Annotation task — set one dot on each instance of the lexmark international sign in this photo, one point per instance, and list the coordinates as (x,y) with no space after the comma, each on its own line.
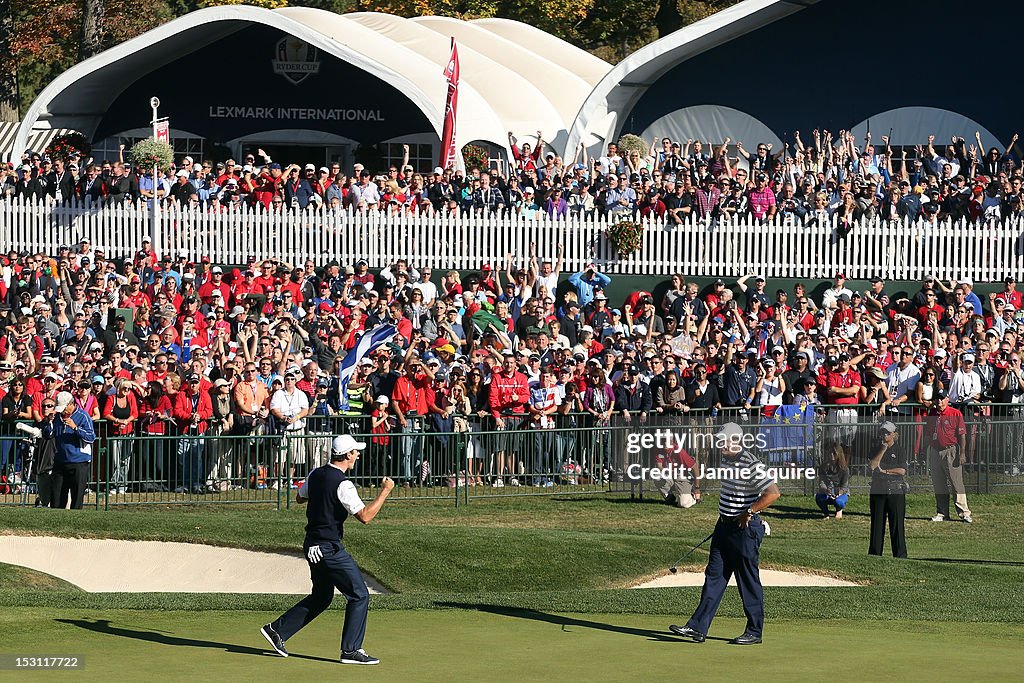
(295,113)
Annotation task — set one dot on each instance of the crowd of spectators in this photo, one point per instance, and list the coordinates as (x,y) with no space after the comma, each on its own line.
(824,179)
(166,344)
(161,344)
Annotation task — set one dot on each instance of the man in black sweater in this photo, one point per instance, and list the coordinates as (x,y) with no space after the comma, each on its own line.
(331,498)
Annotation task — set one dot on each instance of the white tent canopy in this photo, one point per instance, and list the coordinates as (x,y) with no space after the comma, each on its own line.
(911,125)
(711,123)
(620,89)
(501,86)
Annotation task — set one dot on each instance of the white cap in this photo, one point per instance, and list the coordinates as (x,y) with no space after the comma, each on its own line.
(187,160)
(887,427)
(247,168)
(344,444)
(310,167)
(181,174)
(438,170)
(383,399)
(730,430)
(967,281)
(64,399)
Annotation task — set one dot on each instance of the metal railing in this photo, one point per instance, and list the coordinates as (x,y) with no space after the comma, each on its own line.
(577,456)
(783,247)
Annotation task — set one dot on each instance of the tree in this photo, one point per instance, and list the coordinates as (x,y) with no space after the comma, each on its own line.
(47,35)
(668,18)
(266,4)
(91,41)
(9,68)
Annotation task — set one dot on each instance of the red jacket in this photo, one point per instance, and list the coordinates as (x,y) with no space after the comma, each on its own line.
(508,394)
(133,409)
(185,404)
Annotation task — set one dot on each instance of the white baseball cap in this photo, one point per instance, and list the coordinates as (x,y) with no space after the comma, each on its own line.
(64,399)
(341,444)
(730,430)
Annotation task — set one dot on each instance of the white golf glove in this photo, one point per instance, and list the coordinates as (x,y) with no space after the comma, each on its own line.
(314,554)
(767,529)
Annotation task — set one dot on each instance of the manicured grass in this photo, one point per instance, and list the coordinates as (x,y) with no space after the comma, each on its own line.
(14,579)
(562,554)
(498,644)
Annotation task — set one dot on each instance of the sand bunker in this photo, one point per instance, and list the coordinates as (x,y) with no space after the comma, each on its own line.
(108,565)
(769,577)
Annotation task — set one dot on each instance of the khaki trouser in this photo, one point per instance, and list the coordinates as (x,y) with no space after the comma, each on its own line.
(681,491)
(943,464)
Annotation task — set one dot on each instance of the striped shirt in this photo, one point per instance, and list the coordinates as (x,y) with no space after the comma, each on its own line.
(745,483)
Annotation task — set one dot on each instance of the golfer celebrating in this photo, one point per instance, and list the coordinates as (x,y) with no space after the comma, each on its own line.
(332,498)
(746,490)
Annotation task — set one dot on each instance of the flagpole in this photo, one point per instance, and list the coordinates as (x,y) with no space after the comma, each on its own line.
(154,229)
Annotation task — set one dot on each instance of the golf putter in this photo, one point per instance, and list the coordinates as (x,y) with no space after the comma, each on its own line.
(675,567)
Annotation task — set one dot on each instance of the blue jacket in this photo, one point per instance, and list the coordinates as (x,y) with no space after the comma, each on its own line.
(73,445)
(584,286)
(300,191)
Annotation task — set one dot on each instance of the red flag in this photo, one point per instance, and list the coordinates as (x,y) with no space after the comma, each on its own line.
(163,131)
(451,73)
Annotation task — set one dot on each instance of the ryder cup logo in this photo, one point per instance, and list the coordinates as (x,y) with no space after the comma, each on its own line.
(296,60)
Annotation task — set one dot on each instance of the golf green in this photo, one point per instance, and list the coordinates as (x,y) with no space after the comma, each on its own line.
(503,644)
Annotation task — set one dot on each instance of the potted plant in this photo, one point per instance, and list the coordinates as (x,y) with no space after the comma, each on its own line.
(63,146)
(475,156)
(150,152)
(626,237)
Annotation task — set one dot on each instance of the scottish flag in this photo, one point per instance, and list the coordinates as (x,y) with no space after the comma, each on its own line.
(369,342)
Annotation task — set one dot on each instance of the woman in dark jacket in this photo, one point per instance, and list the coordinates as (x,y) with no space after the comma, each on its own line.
(670,397)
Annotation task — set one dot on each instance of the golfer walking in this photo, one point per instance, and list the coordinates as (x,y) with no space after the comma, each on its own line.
(331,498)
(747,489)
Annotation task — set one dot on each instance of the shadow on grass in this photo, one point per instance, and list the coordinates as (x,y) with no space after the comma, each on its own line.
(164,638)
(565,621)
(953,560)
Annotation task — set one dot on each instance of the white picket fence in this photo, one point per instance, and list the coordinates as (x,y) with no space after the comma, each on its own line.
(985,252)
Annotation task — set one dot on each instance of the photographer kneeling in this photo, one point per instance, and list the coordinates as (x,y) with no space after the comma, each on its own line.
(680,481)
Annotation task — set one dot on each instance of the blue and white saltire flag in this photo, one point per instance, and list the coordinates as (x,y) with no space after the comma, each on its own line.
(369,342)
